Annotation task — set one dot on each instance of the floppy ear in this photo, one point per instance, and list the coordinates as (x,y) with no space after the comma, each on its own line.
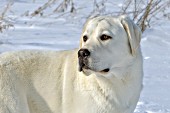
(133,33)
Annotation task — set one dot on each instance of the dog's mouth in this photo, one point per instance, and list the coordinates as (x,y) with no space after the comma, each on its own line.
(83,66)
(101,71)
(105,70)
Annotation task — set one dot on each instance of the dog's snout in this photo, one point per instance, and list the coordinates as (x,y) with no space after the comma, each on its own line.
(83,53)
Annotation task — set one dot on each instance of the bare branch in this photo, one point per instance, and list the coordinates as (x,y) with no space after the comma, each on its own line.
(124,9)
(145,16)
(4,24)
(43,7)
(6,9)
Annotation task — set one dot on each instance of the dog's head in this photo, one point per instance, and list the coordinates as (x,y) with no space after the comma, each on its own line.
(107,43)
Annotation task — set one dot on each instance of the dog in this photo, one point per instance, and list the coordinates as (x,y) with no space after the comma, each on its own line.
(103,75)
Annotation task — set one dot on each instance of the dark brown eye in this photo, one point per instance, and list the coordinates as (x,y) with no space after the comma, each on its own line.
(85,38)
(105,37)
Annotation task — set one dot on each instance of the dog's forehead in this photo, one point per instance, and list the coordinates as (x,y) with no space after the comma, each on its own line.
(103,23)
(100,24)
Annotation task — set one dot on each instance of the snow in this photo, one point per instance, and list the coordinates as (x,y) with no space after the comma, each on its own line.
(156,52)
(58,32)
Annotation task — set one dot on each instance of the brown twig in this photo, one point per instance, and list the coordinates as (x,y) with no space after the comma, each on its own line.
(124,9)
(43,7)
(64,5)
(4,24)
(7,7)
(145,16)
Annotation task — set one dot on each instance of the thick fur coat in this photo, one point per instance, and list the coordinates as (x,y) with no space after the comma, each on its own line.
(33,81)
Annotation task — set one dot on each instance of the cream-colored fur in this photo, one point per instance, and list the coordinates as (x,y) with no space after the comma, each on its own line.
(49,82)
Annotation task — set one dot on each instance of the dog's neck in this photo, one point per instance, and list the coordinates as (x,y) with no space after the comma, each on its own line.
(107,89)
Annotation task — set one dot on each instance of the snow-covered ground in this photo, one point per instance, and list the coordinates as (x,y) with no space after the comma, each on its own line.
(57,32)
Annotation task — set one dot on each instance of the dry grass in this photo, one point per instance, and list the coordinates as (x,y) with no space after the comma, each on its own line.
(144,13)
(4,23)
(62,7)
(39,10)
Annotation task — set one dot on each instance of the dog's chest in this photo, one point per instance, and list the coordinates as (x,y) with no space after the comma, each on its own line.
(95,102)
(91,98)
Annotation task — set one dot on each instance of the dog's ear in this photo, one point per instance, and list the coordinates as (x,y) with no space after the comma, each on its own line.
(133,33)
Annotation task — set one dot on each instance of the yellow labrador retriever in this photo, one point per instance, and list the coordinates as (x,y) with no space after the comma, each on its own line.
(103,76)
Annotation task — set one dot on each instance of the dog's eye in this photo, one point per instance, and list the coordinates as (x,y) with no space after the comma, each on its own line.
(105,37)
(85,38)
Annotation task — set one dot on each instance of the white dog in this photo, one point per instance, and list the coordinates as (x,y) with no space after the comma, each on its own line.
(103,76)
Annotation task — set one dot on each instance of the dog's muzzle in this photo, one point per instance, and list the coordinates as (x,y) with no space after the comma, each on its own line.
(83,55)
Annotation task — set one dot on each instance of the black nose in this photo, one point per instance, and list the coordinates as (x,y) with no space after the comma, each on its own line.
(83,53)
